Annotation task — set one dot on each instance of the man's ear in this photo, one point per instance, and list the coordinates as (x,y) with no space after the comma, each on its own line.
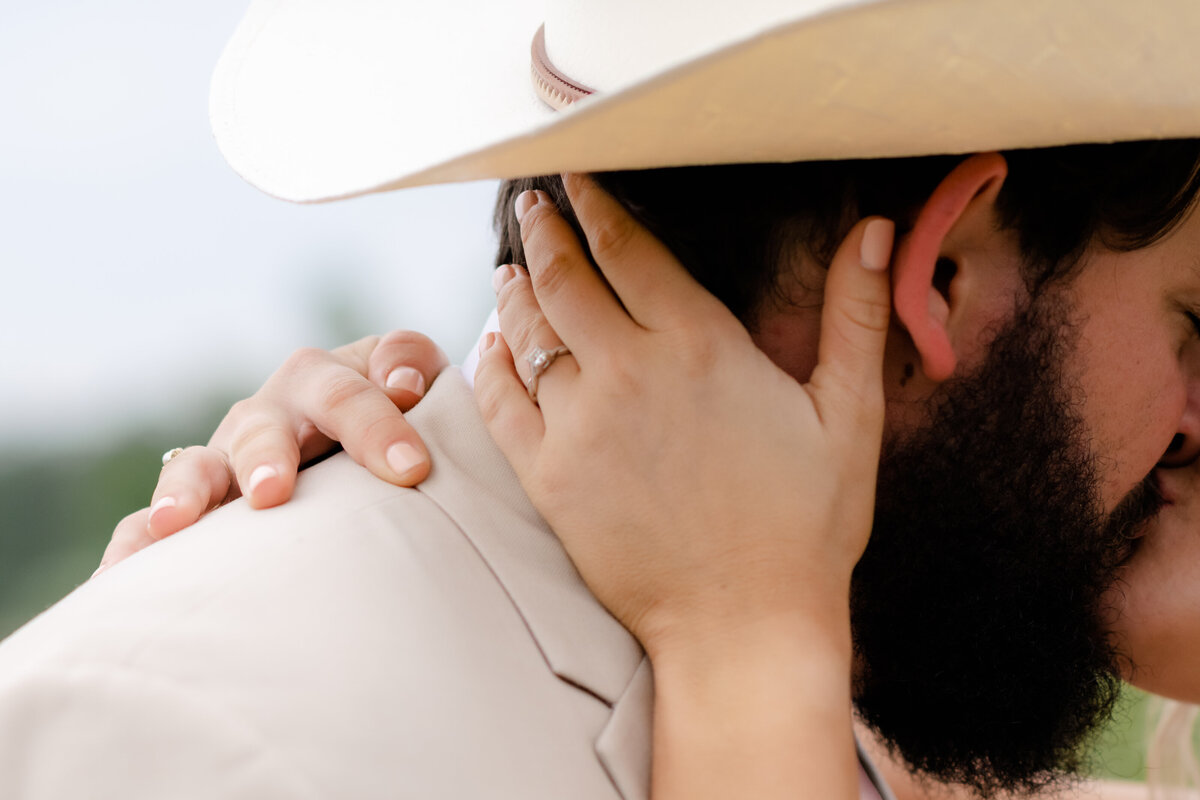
(921,300)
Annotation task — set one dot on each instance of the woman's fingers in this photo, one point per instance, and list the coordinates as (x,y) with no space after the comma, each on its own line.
(854,326)
(527,331)
(354,411)
(319,398)
(511,417)
(404,364)
(130,535)
(651,283)
(195,481)
(264,452)
(576,300)
(315,399)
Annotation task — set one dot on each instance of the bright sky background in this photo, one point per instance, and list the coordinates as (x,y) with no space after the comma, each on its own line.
(140,273)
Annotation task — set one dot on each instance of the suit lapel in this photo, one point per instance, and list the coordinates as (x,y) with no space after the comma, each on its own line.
(625,744)
(580,641)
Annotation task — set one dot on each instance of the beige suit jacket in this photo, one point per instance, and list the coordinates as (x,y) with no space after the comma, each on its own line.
(361,641)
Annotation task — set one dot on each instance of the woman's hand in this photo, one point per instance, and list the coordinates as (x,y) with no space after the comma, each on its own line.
(354,395)
(716,506)
(667,445)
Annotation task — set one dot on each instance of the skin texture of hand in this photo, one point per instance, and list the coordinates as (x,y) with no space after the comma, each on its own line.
(354,395)
(712,503)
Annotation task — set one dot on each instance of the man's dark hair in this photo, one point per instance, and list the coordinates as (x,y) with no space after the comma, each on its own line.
(733,227)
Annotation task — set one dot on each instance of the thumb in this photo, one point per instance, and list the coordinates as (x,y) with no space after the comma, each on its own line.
(854,324)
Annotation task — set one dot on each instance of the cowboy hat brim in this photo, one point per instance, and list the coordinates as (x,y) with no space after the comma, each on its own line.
(323,99)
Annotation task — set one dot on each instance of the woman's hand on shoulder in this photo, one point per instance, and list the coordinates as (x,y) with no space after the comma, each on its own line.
(354,395)
(711,502)
(691,479)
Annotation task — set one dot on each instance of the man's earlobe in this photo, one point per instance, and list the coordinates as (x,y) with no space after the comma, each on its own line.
(921,274)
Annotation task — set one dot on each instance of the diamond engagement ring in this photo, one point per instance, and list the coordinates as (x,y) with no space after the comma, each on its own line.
(170,455)
(540,361)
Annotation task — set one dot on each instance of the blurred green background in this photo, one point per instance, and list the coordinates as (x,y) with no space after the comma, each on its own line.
(60,503)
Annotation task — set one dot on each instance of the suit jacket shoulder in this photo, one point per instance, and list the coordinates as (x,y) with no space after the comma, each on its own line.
(361,641)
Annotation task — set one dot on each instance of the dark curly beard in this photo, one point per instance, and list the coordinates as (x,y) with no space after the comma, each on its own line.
(976,607)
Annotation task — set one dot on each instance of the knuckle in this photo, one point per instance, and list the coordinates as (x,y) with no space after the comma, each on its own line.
(205,455)
(255,431)
(356,351)
(610,238)
(526,334)
(242,409)
(221,478)
(404,341)
(303,359)
(377,430)
(405,349)
(868,313)
(551,275)
(341,393)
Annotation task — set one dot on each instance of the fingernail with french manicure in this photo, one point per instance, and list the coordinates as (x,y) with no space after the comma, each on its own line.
(160,504)
(263,472)
(408,379)
(502,275)
(525,201)
(875,250)
(402,457)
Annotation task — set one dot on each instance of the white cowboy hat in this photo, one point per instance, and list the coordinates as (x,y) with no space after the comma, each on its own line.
(322,99)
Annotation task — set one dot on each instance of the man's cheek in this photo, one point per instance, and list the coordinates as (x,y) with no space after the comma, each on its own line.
(1131,416)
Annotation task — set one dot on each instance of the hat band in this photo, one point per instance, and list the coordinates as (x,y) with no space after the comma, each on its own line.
(556,89)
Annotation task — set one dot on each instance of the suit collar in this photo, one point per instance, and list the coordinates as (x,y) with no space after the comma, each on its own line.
(581,642)
(625,744)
